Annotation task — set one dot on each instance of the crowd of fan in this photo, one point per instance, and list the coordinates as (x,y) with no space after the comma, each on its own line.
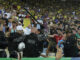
(60,24)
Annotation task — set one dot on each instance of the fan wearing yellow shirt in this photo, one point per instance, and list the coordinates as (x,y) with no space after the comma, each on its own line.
(26,22)
(18,7)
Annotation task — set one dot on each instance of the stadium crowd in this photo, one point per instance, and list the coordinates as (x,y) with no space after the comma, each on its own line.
(59,23)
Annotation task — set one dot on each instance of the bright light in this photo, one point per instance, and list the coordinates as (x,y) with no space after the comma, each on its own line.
(63,0)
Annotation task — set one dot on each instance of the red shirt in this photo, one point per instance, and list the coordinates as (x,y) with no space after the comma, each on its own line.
(58,38)
(27,16)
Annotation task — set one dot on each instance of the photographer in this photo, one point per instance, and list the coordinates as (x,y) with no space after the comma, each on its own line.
(16,43)
(70,45)
(34,44)
(3,43)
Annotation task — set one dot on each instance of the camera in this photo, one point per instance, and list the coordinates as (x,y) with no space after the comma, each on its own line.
(33,45)
(42,37)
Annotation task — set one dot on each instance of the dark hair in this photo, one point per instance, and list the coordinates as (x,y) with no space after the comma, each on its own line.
(5,15)
(59,29)
(73,29)
(68,31)
(7,29)
(14,22)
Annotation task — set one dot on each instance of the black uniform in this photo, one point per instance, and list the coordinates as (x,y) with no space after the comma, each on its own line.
(70,47)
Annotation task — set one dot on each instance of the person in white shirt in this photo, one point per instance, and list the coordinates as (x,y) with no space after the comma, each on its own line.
(27,30)
(38,25)
(8,15)
(19,27)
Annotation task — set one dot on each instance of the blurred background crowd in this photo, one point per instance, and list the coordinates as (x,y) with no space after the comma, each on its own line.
(45,29)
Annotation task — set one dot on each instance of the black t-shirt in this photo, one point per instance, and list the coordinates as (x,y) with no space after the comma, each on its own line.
(3,41)
(70,47)
(13,41)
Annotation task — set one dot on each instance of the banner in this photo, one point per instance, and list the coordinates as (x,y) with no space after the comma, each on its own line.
(26,22)
(44,59)
(40,59)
